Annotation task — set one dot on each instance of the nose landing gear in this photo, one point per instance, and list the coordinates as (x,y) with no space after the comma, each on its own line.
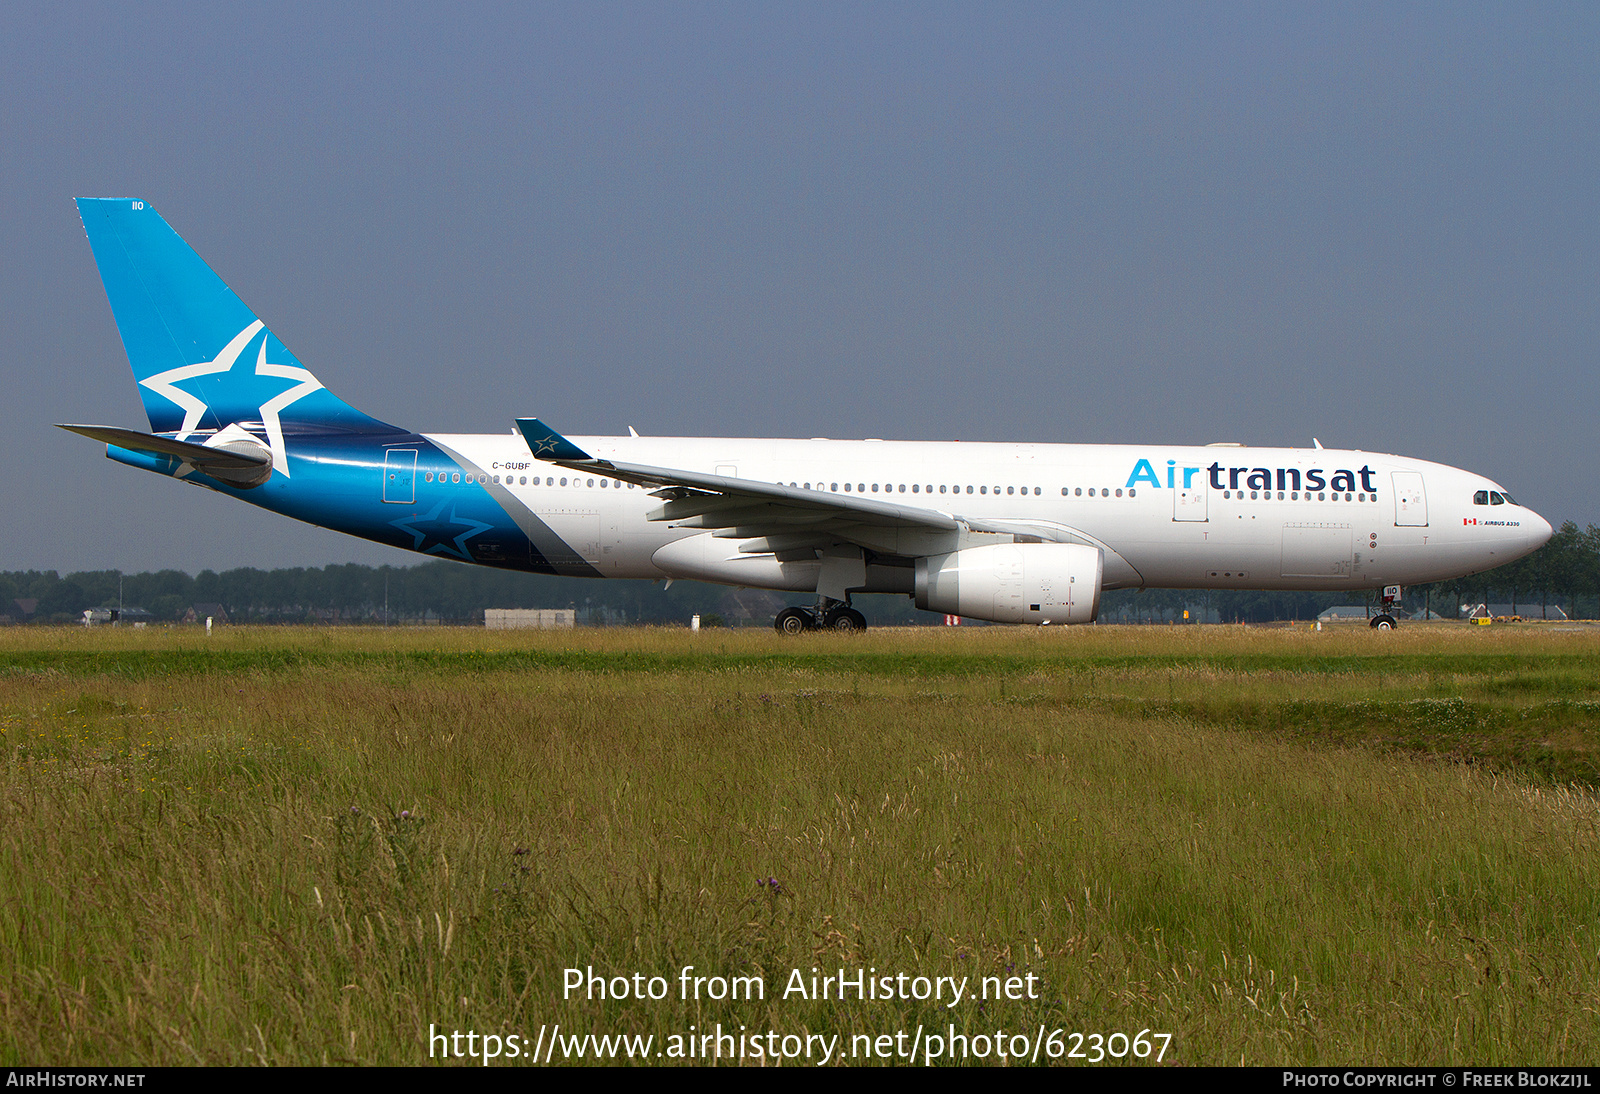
(1387,621)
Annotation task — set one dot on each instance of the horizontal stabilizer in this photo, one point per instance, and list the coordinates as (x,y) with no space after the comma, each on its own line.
(242,462)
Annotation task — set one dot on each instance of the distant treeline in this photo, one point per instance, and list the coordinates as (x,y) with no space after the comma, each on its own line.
(1565,573)
(434,592)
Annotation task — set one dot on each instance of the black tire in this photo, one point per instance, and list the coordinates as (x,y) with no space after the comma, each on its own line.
(1384,623)
(845,620)
(793,621)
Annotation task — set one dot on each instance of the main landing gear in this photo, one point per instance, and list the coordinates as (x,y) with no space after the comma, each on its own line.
(828,615)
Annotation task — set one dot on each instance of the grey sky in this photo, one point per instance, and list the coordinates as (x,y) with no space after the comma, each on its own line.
(1375,225)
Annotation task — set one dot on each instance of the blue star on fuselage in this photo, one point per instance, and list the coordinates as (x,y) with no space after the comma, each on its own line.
(433,534)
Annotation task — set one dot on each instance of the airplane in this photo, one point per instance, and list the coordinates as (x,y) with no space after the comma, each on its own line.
(1006,533)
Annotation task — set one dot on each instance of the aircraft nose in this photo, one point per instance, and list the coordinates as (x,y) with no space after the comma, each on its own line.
(1537,531)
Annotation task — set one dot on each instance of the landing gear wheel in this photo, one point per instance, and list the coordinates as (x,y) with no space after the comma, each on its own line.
(793,621)
(847,620)
(1384,623)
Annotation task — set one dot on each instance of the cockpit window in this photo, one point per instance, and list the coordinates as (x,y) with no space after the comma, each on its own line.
(1509,499)
(1481,498)
(1495,498)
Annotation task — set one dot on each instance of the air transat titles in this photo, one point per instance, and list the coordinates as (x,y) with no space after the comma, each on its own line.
(1254,478)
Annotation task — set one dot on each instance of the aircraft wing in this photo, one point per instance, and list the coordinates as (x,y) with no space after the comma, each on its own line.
(796,524)
(774,518)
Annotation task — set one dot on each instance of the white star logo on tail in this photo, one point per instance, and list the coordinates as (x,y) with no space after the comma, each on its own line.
(163,383)
(269,409)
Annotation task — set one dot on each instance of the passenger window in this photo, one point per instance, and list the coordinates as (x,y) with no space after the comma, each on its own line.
(1037,491)
(834,487)
(1119,493)
(1091,491)
(1079,491)
(983,489)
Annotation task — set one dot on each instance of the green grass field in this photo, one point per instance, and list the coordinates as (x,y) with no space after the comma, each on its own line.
(1275,846)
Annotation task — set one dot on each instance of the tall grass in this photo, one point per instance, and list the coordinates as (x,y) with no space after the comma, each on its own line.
(1279,846)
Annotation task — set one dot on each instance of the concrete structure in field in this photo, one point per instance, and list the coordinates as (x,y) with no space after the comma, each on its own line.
(1347,613)
(512,619)
(1526,610)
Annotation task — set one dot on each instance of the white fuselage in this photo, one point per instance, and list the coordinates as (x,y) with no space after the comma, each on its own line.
(1175,517)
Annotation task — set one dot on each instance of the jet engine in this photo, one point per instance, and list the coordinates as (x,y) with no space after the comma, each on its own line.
(1013,583)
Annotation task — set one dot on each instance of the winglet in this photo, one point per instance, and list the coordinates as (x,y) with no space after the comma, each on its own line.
(546,444)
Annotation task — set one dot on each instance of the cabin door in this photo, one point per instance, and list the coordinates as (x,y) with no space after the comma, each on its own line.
(400,476)
(1410,500)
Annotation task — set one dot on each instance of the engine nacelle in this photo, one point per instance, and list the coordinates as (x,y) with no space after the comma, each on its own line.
(1013,583)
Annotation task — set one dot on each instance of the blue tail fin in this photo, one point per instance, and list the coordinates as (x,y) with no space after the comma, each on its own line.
(202,359)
